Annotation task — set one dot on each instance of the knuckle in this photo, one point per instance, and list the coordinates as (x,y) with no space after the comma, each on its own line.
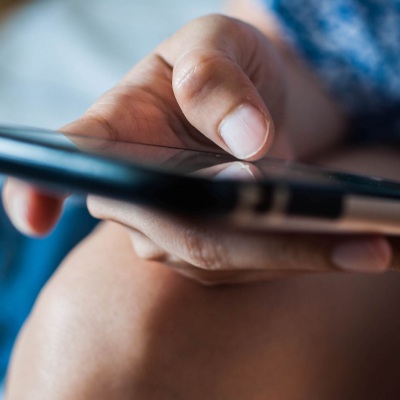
(102,124)
(202,251)
(146,248)
(306,253)
(116,110)
(286,255)
(197,73)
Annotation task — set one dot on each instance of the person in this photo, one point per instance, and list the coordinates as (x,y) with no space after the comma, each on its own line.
(112,325)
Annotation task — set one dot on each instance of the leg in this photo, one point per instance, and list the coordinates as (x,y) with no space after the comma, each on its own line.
(111,326)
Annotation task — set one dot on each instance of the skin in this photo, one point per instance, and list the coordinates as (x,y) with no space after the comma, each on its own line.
(156,335)
(113,325)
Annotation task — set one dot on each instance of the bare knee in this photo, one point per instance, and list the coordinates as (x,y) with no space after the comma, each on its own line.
(86,335)
(110,326)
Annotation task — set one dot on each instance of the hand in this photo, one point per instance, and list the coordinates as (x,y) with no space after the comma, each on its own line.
(212,253)
(218,83)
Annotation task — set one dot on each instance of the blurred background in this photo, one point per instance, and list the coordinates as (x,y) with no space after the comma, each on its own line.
(56,58)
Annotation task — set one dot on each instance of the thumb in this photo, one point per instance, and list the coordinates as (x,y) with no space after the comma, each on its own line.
(227,82)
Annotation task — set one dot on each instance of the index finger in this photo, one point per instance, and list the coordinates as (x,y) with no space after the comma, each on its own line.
(33,212)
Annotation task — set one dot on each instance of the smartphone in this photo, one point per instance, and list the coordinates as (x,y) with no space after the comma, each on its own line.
(267,194)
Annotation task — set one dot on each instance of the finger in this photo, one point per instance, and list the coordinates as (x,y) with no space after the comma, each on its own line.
(226,277)
(31,211)
(131,111)
(214,247)
(227,81)
(183,96)
(219,278)
(146,248)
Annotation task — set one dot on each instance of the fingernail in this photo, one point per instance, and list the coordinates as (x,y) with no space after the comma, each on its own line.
(236,170)
(362,255)
(245,131)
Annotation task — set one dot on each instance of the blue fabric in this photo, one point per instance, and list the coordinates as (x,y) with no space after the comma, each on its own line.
(26,264)
(354,46)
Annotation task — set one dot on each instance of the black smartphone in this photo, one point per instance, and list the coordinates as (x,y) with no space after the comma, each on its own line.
(268,194)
